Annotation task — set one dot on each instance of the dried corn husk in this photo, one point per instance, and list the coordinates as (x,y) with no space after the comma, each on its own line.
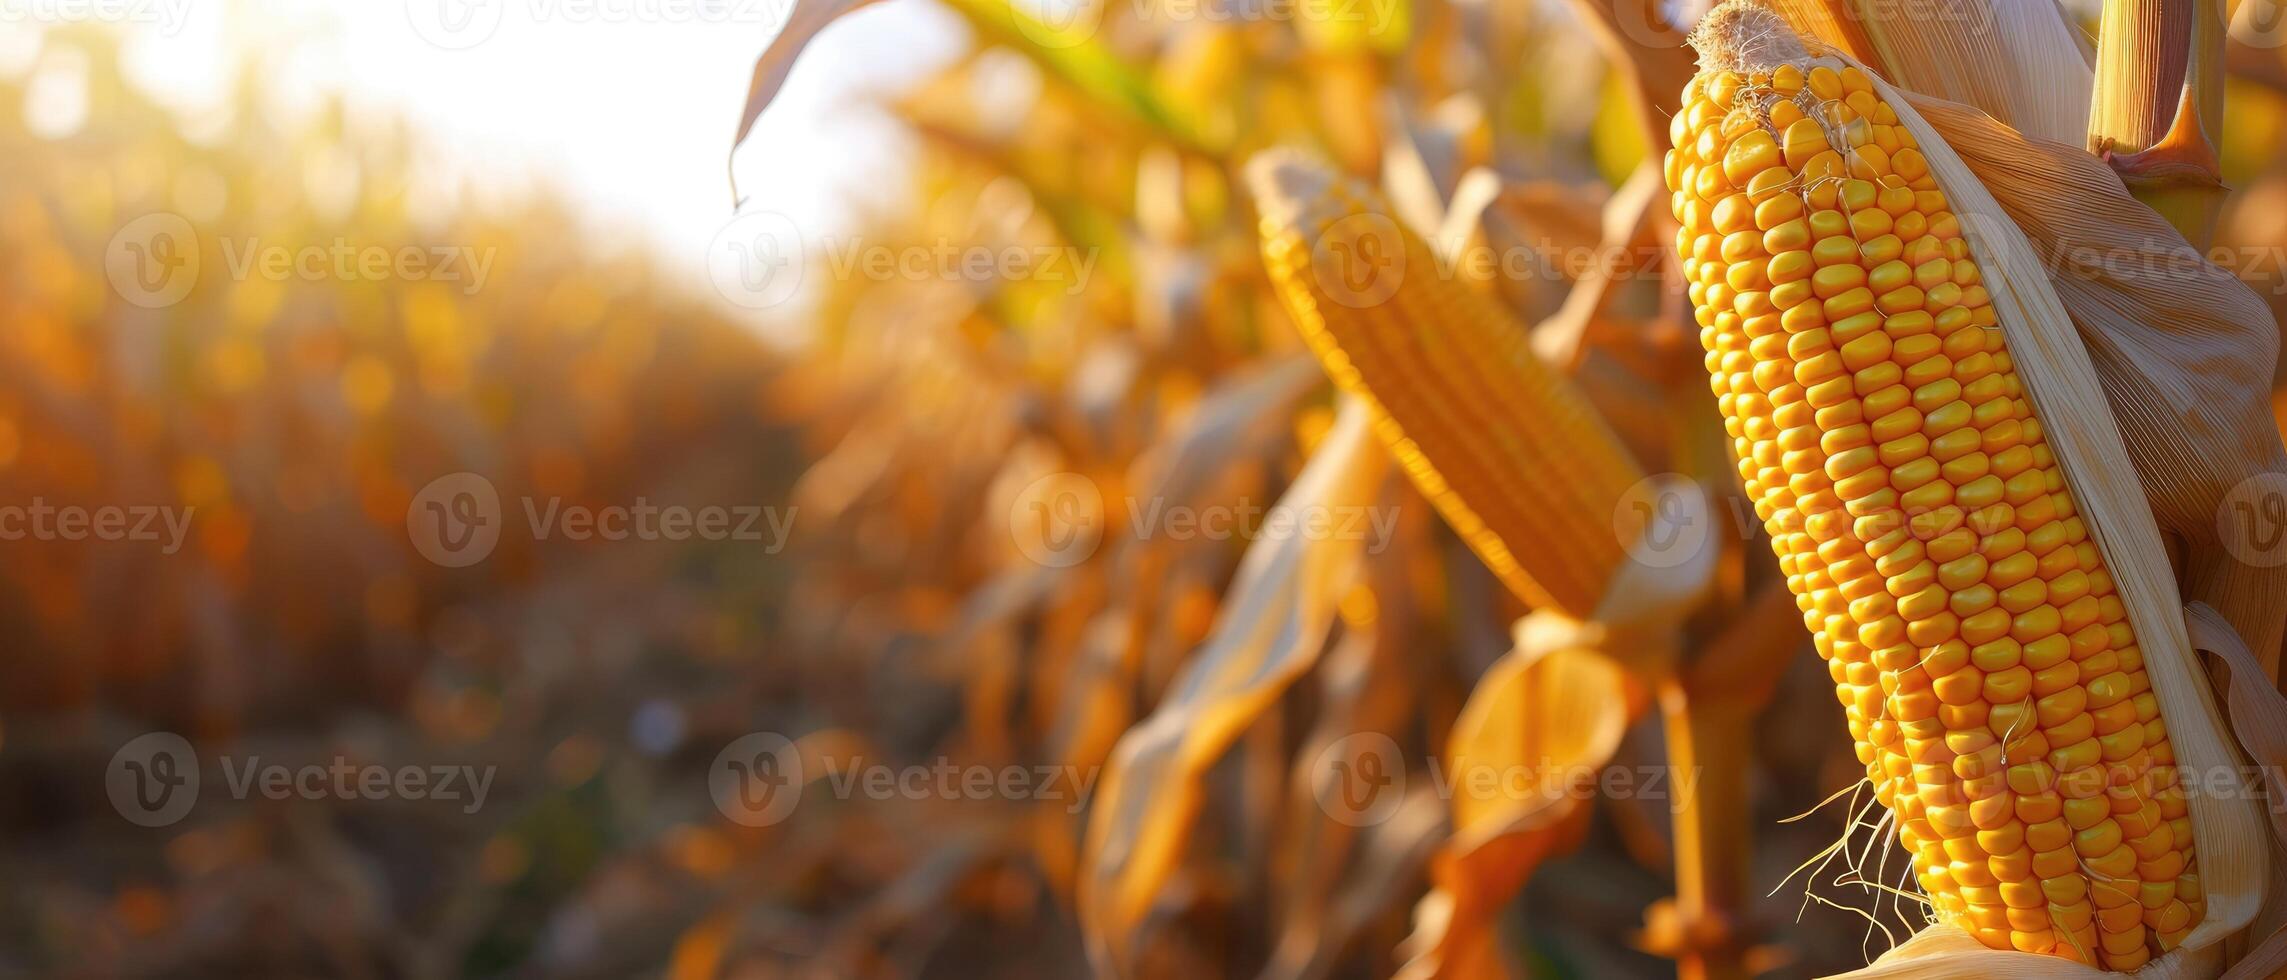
(2183,348)
(1944,951)
(2019,60)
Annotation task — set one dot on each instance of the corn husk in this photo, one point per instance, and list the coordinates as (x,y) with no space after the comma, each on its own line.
(2183,348)
(2020,61)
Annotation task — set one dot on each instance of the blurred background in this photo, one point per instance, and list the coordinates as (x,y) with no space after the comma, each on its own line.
(441,481)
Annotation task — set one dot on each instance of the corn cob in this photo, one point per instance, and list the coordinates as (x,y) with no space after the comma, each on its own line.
(1511,454)
(1987,669)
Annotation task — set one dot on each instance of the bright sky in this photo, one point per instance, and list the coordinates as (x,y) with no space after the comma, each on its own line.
(625,106)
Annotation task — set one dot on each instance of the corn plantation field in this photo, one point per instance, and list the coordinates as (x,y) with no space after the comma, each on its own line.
(1419,488)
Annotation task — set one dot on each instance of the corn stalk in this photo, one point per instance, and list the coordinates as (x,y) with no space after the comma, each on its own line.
(2157,113)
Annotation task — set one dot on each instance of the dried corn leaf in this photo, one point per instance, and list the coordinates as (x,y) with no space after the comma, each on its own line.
(1545,716)
(1231,424)
(803,22)
(1335,879)
(1331,877)
(1271,630)
(1387,869)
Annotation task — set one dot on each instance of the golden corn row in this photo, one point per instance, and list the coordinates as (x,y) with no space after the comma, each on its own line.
(1510,453)
(1989,674)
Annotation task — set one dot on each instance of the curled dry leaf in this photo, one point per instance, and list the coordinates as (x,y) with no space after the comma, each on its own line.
(1270,632)
(803,22)
(1550,713)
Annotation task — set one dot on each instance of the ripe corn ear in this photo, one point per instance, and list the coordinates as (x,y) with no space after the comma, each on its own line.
(1511,454)
(1988,670)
